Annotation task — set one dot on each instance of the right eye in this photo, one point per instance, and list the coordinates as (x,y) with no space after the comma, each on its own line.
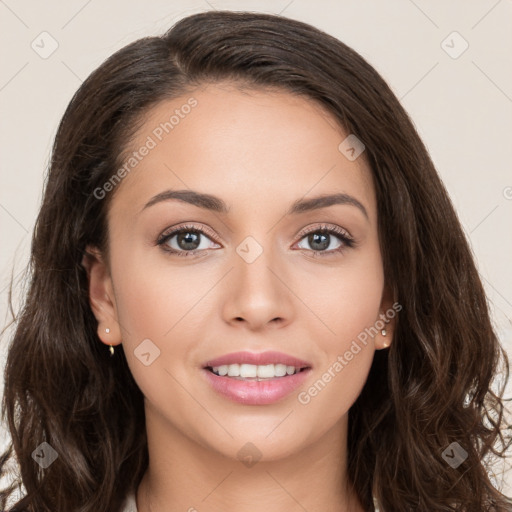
(187,240)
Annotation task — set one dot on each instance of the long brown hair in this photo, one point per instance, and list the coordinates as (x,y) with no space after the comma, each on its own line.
(432,388)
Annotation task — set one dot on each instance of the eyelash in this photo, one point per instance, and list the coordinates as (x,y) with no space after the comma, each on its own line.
(348,241)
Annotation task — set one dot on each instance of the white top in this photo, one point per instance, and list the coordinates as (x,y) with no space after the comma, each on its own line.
(130,504)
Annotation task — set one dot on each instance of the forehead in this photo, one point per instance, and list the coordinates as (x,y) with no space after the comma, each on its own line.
(255,148)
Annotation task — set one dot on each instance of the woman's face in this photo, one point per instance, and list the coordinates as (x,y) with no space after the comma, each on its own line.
(250,271)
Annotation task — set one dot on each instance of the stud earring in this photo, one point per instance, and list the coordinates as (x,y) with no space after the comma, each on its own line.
(384,333)
(107,330)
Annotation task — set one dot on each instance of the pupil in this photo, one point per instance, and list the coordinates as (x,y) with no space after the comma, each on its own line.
(187,242)
(314,239)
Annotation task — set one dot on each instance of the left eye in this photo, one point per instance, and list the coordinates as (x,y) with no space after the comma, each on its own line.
(321,241)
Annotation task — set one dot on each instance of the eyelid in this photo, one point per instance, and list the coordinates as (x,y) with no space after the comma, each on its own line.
(173,230)
(324,227)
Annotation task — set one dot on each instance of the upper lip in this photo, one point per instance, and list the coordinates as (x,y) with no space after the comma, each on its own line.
(257,358)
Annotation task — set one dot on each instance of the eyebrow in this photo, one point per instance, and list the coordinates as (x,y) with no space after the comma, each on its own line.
(215,204)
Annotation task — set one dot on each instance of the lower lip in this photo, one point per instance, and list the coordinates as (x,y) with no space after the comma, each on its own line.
(252,392)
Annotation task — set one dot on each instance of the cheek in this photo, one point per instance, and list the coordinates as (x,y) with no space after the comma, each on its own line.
(346,299)
(152,305)
(157,303)
(151,297)
(348,307)
(336,386)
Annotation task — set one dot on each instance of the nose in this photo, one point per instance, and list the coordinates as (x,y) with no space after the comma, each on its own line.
(258,292)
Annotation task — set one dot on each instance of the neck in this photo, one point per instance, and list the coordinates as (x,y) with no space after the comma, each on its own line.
(186,475)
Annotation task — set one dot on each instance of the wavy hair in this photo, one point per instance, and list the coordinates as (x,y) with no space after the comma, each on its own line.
(432,388)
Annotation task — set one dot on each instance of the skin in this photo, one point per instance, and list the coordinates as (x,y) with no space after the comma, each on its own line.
(259,151)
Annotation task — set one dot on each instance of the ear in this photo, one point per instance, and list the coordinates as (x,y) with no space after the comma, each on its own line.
(101,296)
(389,309)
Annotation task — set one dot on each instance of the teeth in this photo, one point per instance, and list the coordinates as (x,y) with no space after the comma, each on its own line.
(222,370)
(253,372)
(233,370)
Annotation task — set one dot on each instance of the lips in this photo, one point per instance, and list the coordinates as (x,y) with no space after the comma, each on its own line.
(256,392)
(261,358)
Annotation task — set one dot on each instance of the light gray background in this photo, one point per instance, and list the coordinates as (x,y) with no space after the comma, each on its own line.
(461,104)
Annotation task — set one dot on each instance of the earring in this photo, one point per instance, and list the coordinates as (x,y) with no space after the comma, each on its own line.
(107,330)
(384,333)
